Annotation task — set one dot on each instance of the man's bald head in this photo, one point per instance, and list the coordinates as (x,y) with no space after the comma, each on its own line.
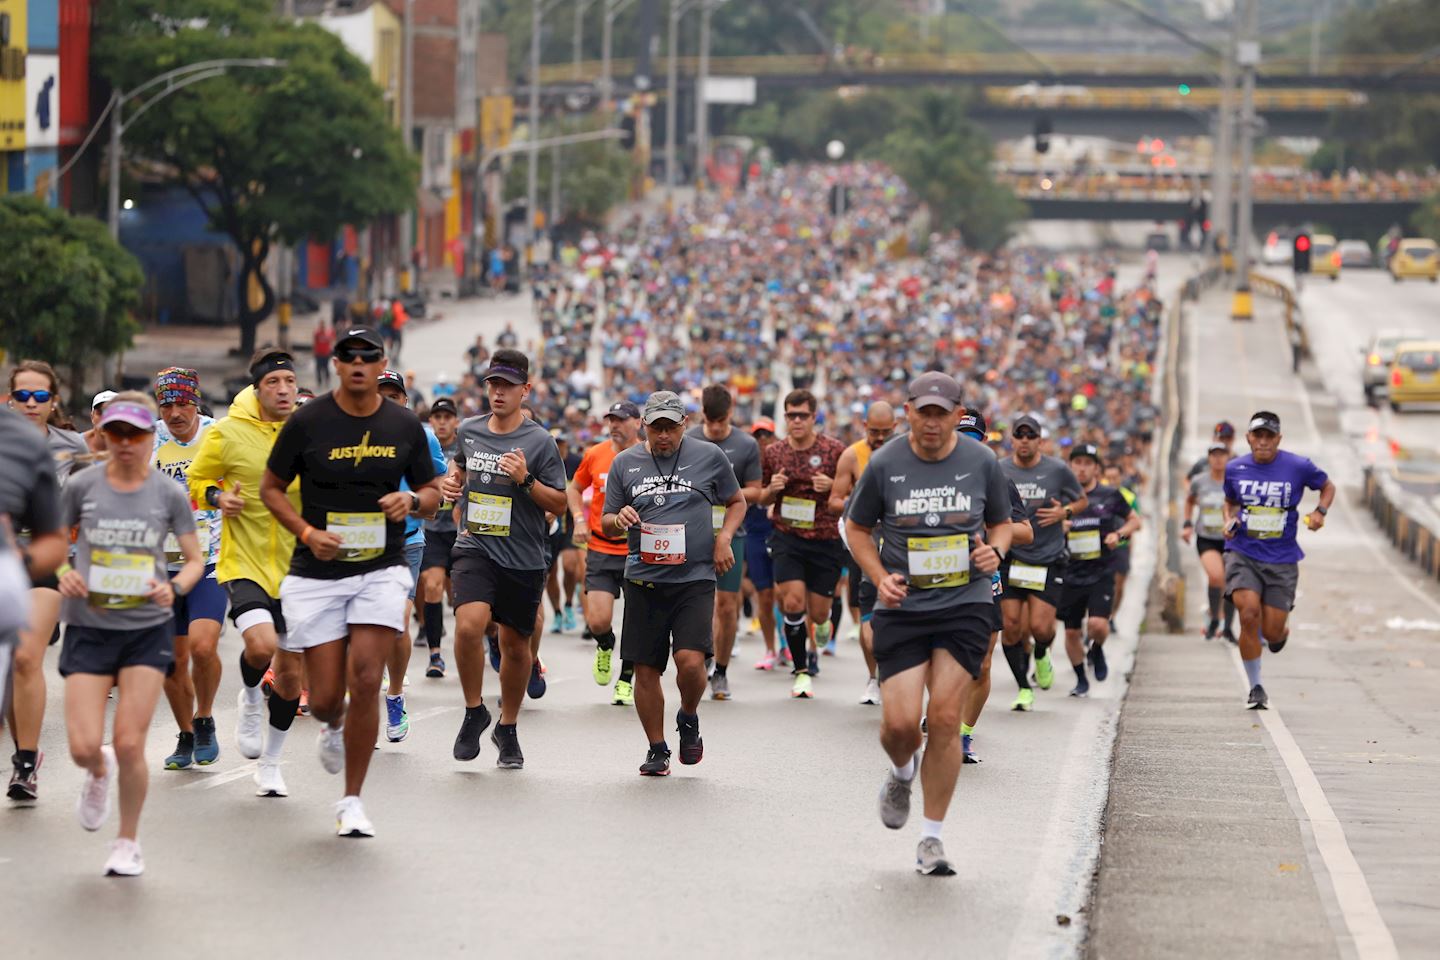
(879,423)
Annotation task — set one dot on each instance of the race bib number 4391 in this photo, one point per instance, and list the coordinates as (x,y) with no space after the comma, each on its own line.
(938,561)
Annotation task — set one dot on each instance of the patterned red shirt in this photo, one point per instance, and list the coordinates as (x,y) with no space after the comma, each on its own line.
(799,466)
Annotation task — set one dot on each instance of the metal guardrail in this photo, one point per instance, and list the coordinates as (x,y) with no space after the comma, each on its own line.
(1168,98)
(1394,510)
(1162,185)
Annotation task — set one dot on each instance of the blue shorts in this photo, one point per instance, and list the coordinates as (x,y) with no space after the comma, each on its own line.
(206,602)
(758,566)
(414,556)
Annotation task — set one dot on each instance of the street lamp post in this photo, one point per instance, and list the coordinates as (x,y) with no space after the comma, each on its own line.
(538,9)
(1248,57)
(835,150)
(607,86)
(702,109)
(678,9)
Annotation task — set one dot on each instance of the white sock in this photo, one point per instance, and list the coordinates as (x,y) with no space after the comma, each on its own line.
(930,828)
(252,694)
(1252,671)
(906,773)
(274,743)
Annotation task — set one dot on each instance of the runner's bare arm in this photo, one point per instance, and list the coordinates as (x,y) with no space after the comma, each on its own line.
(844,482)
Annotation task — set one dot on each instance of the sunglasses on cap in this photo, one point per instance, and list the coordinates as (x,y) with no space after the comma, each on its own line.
(349,354)
(25,396)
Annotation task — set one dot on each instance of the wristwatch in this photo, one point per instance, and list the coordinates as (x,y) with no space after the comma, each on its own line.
(528,482)
(1322,511)
(1068,512)
(414,502)
(212,496)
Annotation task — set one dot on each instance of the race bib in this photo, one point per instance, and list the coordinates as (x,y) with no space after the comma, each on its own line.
(1025,577)
(173,555)
(1084,544)
(119,581)
(1212,523)
(717,517)
(487,515)
(1265,523)
(798,511)
(662,543)
(362,535)
(938,561)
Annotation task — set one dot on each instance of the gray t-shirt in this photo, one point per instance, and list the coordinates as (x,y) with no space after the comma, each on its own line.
(1049,479)
(121,547)
(29,494)
(501,521)
(65,446)
(931,515)
(674,542)
(444,519)
(1209,494)
(742,451)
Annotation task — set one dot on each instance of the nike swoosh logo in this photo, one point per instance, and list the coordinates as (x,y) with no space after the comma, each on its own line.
(962,476)
(355,333)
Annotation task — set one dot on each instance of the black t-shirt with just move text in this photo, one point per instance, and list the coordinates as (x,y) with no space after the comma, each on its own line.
(346,464)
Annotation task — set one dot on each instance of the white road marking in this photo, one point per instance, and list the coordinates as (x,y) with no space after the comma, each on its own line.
(212,781)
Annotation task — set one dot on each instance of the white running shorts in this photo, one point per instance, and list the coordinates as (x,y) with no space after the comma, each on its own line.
(321,611)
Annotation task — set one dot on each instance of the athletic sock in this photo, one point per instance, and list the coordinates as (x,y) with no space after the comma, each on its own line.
(434,625)
(1019,660)
(967,729)
(1252,671)
(1080,674)
(1042,648)
(796,639)
(1229,613)
(606,640)
(930,828)
(747,608)
(720,669)
(661,745)
(907,772)
(627,671)
(836,610)
(1214,593)
(282,711)
(251,677)
(24,758)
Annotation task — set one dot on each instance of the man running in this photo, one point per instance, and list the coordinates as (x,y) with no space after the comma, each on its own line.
(1033,577)
(1111,477)
(605,556)
(348,581)
(506,477)
(759,565)
(798,474)
(662,498)
(744,455)
(1207,493)
(440,533)
(942,507)
(1088,597)
(879,427)
(254,555)
(1263,490)
(200,614)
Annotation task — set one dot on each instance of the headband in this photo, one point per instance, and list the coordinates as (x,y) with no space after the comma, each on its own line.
(177,385)
(269,364)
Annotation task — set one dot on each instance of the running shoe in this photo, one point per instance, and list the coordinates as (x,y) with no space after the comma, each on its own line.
(1044,671)
(719,690)
(331,746)
(1081,690)
(830,647)
(125,859)
(25,781)
(692,747)
(1258,698)
(872,692)
(436,670)
(787,657)
(268,781)
(303,709)
(1096,656)
(624,694)
(350,819)
(801,688)
(1229,635)
(467,741)
(657,763)
(93,807)
(967,746)
(267,683)
(568,618)
(397,719)
(754,625)
(601,668)
(508,743)
(493,645)
(1212,629)
(895,801)
(812,663)
(930,860)
(1024,701)
(184,754)
(535,689)
(1277,645)
(249,726)
(207,744)
(767,662)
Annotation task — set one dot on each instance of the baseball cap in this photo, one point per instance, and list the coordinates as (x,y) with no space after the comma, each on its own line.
(1217,447)
(365,335)
(1026,420)
(973,422)
(1086,450)
(102,398)
(624,410)
(664,405)
(391,378)
(935,388)
(763,425)
(131,414)
(1224,429)
(444,405)
(1265,420)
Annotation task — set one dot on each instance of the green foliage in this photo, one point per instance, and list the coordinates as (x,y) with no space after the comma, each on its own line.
(595,177)
(1427,218)
(69,288)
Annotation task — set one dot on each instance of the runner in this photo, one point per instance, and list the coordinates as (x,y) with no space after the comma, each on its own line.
(199,615)
(1224,435)
(1088,597)
(665,507)
(605,556)
(348,581)
(879,427)
(1207,492)
(439,540)
(34,394)
(118,615)
(759,566)
(564,551)
(933,620)
(254,555)
(507,476)
(1033,579)
(743,452)
(1263,490)
(808,556)
(1121,560)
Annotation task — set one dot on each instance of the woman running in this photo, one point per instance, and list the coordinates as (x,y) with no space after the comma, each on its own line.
(1207,491)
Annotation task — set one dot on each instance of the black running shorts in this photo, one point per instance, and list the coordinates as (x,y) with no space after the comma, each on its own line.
(905,640)
(1204,545)
(817,562)
(106,652)
(438,547)
(513,595)
(1022,587)
(247,595)
(1082,599)
(661,617)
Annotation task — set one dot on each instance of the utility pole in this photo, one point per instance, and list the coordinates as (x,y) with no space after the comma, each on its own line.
(1224,160)
(407,126)
(1247,55)
(533,171)
(607,37)
(671,92)
(702,109)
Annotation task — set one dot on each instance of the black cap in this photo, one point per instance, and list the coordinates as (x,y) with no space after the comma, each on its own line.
(364,334)
(391,378)
(973,422)
(625,410)
(444,405)
(1264,420)
(935,388)
(1026,420)
(512,366)
(1087,450)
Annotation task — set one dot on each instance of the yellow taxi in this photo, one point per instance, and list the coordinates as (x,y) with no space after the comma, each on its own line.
(1416,258)
(1415,373)
(1324,257)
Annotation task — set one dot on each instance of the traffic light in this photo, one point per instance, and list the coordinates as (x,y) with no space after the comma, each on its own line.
(1043,129)
(1183,89)
(627,139)
(1301,258)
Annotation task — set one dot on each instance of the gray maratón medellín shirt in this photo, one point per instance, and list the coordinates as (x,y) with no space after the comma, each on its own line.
(1049,479)
(65,446)
(674,542)
(121,547)
(931,517)
(1209,494)
(742,451)
(500,520)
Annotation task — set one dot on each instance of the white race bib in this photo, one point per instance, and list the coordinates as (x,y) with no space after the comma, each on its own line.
(1212,523)
(487,515)
(119,581)
(1265,523)
(362,535)
(798,511)
(662,543)
(938,561)
(1084,544)
(1023,576)
(717,517)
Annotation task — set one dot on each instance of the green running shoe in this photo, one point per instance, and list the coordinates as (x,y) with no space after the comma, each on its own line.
(624,694)
(1025,701)
(601,669)
(1044,671)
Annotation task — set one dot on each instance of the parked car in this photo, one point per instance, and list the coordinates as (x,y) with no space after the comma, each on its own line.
(1279,247)
(1379,355)
(1415,374)
(1356,254)
(1324,258)
(1157,240)
(1416,257)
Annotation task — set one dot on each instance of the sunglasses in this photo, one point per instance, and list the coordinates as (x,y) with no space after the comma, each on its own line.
(1026,435)
(359,354)
(798,415)
(25,396)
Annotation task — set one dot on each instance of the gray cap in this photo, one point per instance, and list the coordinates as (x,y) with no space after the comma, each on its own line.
(625,410)
(934,388)
(664,405)
(1026,420)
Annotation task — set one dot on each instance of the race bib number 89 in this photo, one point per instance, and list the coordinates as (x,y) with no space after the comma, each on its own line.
(662,543)
(938,561)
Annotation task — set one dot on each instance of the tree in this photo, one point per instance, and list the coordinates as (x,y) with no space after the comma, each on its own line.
(69,288)
(595,177)
(278,153)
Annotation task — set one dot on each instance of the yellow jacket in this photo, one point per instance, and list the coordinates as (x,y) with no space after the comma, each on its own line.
(253,545)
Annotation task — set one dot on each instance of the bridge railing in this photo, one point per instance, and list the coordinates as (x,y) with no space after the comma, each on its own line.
(1167,98)
(1173,187)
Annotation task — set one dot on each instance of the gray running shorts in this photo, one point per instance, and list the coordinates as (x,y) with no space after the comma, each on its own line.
(1275,582)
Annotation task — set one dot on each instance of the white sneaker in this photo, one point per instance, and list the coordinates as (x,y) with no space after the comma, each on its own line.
(872,692)
(268,782)
(350,819)
(125,859)
(332,748)
(93,808)
(249,726)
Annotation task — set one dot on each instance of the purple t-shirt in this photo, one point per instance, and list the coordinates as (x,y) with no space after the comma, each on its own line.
(1270,493)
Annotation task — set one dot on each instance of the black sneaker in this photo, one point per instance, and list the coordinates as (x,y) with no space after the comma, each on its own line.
(1229,635)
(1096,657)
(1212,629)
(467,741)
(1258,700)
(25,779)
(508,744)
(692,747)
(812,663)
(1277,645)
(436,670)
(1081,690)
(207,745)
(657,763)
